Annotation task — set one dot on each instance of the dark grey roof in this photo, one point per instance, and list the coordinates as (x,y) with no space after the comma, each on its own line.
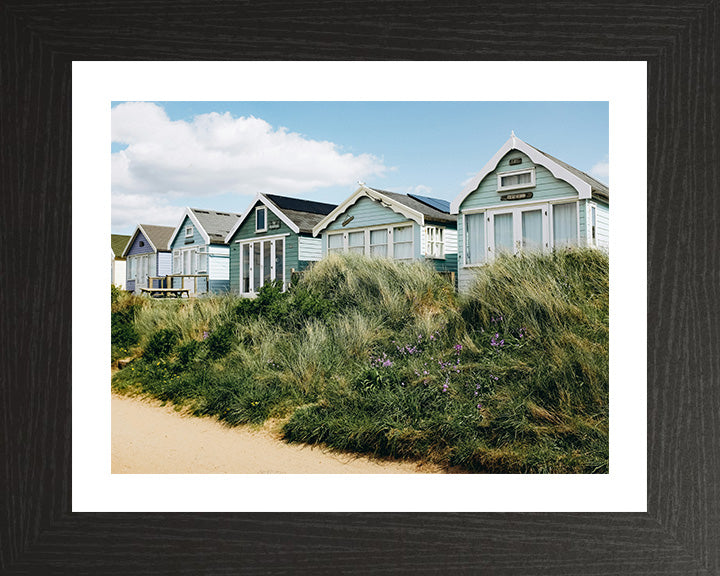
(596,185)
(425,209)
(118,243)
(305,214)
(158,235)
(217,225)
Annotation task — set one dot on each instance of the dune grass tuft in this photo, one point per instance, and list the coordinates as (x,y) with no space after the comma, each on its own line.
(383,357)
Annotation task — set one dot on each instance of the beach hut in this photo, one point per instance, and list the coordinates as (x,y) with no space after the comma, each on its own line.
(200,256)
(117,261)
(387,224)
(526,199)
(272,240)
(147,256)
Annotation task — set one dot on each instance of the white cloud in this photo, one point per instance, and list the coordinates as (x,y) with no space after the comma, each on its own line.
(419,189)
(601,171)
(217,154)
(129,210)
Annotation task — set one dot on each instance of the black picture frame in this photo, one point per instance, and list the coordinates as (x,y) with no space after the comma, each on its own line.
(680,533)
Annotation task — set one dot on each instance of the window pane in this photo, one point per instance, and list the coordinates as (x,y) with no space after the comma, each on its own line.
(475,238)
(564,224)
(279,255)
(403,234)
(402,243)
(356,242)
(378,242)
(503,233)
(245,268)
(267,259)
(186,262)
(532,230)
(256,266)
(260,219)
(378,236)
(335,243)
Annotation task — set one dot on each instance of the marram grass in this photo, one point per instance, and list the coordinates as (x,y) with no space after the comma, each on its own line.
(381,357)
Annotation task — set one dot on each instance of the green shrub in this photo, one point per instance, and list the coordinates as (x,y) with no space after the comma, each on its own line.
(161,344)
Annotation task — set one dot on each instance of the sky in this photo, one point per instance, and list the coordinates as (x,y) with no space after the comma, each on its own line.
(218,155)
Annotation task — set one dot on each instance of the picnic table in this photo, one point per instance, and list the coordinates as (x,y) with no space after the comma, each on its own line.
(167,292)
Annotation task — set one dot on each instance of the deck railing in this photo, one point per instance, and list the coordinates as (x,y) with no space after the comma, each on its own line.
(169,282)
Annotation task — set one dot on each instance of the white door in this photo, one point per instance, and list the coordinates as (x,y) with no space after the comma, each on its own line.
(144,271)
(513,229)
(261,262)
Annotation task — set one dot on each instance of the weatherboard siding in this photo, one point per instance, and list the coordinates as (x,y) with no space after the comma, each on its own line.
(309,249)
(547,187)
(219,266)
(179,241)
(136,249)
(602,225)
(164,264)
(291,256)
(366,212)
(246,232)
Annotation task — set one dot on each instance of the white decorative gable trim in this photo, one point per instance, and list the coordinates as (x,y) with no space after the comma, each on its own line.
(514,143)
(251,209)
(366,192)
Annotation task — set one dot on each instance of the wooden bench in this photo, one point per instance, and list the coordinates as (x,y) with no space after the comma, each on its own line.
(167,292)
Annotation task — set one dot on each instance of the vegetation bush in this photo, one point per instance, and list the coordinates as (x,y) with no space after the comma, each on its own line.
(382,357)
(161,344)
(123,331)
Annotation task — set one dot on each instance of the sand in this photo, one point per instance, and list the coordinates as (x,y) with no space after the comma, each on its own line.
(148,438)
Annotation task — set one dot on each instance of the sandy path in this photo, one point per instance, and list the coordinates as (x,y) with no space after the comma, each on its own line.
(148,438)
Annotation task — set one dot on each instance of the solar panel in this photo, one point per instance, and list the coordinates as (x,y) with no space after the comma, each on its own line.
(299,205)
(442,205)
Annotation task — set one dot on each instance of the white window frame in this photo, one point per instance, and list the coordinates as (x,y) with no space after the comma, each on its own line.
(201,251)
(335,250)
(501,175)
(551,231)
(431,239)
(389,228)
(251,268)
(592,226)
(265,218)
(391,244)
(188,231)
(467,264)
(388,241)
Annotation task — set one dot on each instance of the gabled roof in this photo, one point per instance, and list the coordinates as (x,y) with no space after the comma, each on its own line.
(597,186)
(158,236)
(586,186)
(213,226)
(117,244)
(299,215)
(409,206)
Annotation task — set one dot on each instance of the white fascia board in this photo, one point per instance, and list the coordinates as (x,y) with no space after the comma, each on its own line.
(129,243)
(242,218)
(365,191)
(514,143)
(251,210)
(132,239)
(275,210)
(194,220)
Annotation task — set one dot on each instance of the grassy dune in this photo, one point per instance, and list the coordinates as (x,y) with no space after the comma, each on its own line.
(383,357)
